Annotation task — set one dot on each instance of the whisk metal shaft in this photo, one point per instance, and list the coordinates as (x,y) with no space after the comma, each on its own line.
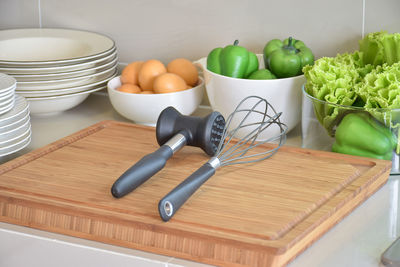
(227,154)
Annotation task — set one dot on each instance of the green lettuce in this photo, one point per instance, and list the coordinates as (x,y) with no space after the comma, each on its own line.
(380,90)
(368,78)
(380,47)
(335,80)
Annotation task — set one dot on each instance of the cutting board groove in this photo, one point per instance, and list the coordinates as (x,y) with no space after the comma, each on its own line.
(259,214)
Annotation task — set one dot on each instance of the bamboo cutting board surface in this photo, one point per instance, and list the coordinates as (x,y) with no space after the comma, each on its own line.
(259,214)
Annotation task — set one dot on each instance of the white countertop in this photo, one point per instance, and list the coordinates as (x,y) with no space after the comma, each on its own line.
(358,240)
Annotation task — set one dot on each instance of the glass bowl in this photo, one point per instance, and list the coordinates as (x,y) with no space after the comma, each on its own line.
(320,121)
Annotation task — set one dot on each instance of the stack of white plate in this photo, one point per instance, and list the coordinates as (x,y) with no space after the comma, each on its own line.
(15,127)
(7,93)
(57,69)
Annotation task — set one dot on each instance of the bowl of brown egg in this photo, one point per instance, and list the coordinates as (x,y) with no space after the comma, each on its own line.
(145,88)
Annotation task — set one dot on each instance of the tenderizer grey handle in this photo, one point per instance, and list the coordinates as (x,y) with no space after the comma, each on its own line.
(141,171)
(171,203)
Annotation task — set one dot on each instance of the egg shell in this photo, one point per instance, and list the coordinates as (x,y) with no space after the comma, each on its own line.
(130,74)
(168,83)
(184,68)
(148,92)
(130,88)
(149,71)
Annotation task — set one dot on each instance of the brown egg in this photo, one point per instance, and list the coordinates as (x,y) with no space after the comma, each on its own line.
(149,71)
(184,68)
(168,83)
(148,92)
(130,73)
(130,88)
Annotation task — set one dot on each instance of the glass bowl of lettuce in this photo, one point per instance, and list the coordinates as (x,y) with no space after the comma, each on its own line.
(351,102)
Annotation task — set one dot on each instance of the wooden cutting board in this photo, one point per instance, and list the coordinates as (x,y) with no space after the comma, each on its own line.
(259,214)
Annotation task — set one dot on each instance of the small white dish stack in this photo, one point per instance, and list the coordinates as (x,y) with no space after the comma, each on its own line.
(57,69)
(7,92)
(15,126)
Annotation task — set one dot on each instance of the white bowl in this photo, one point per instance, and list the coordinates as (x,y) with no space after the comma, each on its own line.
(145,109)
(41,46)
(225,93)
(64,75)
(67,82)
(55,104)
(65,91)
(59,68)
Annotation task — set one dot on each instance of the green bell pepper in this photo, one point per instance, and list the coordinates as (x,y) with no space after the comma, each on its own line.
(361,135)
(233,60)
(261,74)
(287,58)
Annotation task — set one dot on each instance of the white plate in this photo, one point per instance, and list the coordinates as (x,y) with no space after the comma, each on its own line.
(16,147)
(5,109)
(58,69)
(15,123)
(71,90)
(6,82)
(21,107)
(7,96)
(55,104)
(7,101)
(66,83)
(64,75)
(11,90)
(51,46)
(10,134)
(17,137)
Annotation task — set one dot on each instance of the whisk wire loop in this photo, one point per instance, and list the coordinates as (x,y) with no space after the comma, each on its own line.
(229,121)
(268,154)
(237,110)
(235,149)
(250,136)
(237,152)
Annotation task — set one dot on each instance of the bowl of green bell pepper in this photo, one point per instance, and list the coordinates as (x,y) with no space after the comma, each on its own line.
(224,93)
(232,73)
(351,102)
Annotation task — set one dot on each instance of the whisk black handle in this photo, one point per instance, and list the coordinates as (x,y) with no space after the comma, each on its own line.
(141,171)
(171,203)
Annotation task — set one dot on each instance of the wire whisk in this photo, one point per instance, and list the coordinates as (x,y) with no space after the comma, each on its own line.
(255,116)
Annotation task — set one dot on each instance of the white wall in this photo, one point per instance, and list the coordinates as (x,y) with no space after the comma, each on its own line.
(166,29)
